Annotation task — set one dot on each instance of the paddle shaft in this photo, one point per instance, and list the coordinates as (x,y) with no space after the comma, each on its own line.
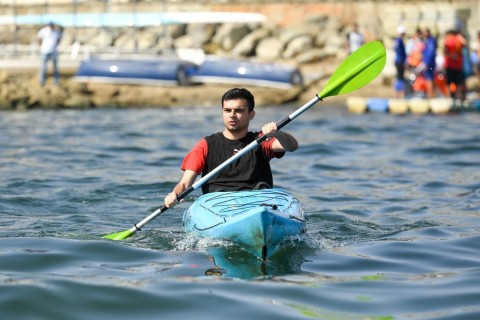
(252,145)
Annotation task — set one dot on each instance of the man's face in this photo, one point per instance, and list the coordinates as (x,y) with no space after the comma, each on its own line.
(236,115)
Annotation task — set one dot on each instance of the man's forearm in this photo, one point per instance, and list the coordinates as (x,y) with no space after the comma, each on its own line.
(288,142)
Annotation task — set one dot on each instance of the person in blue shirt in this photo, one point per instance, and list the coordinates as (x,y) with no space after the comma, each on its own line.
(429,65)
(400,59)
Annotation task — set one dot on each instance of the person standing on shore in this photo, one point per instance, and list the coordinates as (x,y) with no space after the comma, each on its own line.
(400,60)
(429,61)
(49,37)
(355,39)
(477,56)
(415,48)
(453,46)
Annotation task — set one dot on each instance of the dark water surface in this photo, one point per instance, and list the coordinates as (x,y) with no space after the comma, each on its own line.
(393,232)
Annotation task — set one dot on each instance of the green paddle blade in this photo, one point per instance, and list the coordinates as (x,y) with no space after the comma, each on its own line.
(357,70)
(119,235)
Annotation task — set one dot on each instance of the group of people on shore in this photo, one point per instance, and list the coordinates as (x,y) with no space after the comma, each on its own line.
(422,70)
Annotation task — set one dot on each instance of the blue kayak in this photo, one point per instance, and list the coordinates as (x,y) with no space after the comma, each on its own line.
(258,220)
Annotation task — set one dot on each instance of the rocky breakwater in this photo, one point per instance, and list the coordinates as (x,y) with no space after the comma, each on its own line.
(316,46)
(20,91)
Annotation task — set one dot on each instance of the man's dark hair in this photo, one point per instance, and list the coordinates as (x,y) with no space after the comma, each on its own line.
(240,93)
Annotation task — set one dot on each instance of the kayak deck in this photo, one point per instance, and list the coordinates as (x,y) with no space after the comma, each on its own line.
(258,220)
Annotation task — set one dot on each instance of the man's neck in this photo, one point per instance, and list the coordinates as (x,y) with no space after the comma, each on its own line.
(234,135)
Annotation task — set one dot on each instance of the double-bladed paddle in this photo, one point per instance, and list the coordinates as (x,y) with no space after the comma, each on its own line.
(356,71)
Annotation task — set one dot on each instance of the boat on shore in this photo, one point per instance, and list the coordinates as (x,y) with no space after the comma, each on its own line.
(168,71)
(246,72)
(186,69)
(259,221)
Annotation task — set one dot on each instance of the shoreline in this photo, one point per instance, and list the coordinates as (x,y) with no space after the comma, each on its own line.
(20,90)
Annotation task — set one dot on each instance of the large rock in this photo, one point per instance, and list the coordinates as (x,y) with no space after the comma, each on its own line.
(313,55)
(229,34)
(104,38)
(298,45)
(246,46)
(133,40)
(289,34)
(270,48)
(196,37)
(78,101)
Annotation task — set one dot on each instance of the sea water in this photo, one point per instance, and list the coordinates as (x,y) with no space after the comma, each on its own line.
(392,204)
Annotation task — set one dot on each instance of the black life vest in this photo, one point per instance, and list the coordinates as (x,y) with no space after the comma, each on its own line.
(251,171)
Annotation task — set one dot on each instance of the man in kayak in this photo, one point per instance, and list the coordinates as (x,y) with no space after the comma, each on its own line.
(252,171)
